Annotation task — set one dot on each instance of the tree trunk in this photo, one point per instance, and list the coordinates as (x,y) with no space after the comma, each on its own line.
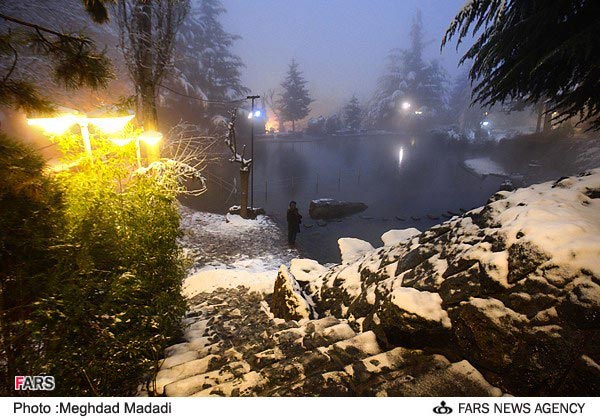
(547,121)
(147,84)
(244,175)
(293,126)
(540,116)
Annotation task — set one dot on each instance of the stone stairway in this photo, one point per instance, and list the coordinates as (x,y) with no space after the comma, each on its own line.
(235,347)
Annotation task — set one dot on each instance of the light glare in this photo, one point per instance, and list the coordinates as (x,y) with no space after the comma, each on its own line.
(110,125)
(151,137)
(56,126)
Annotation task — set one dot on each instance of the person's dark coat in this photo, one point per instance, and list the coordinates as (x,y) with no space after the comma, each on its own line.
(294,219)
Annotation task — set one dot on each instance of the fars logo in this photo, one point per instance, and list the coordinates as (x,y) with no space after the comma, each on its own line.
(34,383)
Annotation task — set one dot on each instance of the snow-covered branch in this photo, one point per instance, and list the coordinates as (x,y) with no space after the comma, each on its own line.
(230,141)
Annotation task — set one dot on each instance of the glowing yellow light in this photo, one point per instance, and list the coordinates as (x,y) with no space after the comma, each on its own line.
(270,125)
(56,126)
(110,125)
(121,142)
(151,137)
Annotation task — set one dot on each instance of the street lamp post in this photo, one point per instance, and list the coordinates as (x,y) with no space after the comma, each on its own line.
(252,98)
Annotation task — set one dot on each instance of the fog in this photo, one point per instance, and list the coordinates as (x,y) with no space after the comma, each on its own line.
(340,45)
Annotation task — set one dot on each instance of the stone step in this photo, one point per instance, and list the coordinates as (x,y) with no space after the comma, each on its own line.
(247,385)
(398,359)
(199,382)
(291,372)
(321,337)
(181,371)
(459,379)
(177,359)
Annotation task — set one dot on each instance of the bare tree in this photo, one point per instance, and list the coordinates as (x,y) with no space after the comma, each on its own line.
(271,101)
(245,163)
(147,37)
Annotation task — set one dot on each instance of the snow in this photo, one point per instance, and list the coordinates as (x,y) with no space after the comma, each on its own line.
(397,236)
(352,249)
(307,270)
(209,279)
(288,288)
(427,305)
(562,221)
(464,368)
(485,166)
(229,251)
(497,311)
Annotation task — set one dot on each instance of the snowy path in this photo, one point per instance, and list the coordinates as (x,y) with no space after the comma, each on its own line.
(229,251)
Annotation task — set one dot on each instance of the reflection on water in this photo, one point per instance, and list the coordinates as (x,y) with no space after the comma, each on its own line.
(400,156)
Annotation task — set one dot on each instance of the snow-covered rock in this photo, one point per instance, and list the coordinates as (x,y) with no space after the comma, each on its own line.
(351,249)
(287,301)
(331,208)
(513,286)
(484,166)
(396,236)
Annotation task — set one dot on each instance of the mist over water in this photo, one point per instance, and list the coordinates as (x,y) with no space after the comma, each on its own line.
(397,176)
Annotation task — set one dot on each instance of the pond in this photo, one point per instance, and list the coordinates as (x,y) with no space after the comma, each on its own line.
(405,181)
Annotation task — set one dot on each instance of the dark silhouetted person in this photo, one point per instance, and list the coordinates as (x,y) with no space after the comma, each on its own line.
(293,220)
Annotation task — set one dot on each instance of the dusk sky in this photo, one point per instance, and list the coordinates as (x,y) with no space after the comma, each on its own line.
(340,45)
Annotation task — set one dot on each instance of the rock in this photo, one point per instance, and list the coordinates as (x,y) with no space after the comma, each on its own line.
(583,379)
(351,249)
(308,273)
(523,258)
(287,301)
(507,186)
(252,212)
(409,317)
(331,208)
(396,236)
(581,307)
(487,332)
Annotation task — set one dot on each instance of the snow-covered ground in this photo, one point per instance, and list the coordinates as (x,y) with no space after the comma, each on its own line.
(229,251)
(485,166)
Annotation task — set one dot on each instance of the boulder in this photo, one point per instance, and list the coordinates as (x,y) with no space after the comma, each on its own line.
(512,287)
(287,301)
(396,236)
(351,249)
(331,208)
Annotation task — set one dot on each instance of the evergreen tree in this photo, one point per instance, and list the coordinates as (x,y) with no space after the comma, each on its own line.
(205,65)
(353,114)
(30,220)
(295,99)
(409,78)
(74,60)
(536,51)
(461,111)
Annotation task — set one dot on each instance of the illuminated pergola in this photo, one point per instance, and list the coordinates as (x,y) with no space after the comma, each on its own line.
(110,125)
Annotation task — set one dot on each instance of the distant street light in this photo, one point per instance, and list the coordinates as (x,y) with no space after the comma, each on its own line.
(256,114)
(405,105)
